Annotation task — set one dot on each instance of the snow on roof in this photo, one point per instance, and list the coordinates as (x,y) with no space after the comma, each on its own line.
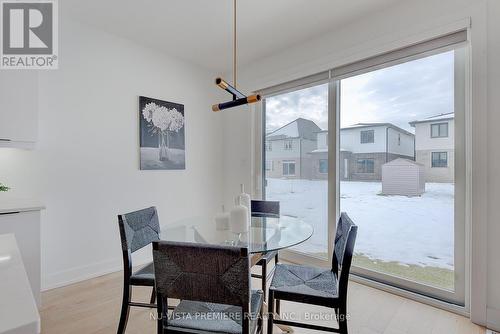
(434,118)
(363,125)
(367,125)
(320,150)
(402,162)
(325,150)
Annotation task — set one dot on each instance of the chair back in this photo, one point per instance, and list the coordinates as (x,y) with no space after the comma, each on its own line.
(138,229)
(265,208)
(343,250)
(204,273)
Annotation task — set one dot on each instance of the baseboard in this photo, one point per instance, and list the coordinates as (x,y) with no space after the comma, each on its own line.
(78,274)
(82,273)
(493,319)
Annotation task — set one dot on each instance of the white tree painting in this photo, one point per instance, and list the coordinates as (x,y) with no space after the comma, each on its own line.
(162,134)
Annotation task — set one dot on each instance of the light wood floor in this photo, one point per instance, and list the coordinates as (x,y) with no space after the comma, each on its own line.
(93,307)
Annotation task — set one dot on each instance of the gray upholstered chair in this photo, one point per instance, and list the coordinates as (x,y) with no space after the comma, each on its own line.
(317,286)
(213,284)
(137,230)
(265,209)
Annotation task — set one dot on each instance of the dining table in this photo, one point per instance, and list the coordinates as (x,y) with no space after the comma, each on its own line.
(265,234)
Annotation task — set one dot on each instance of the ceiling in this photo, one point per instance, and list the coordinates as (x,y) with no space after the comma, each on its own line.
(200,31)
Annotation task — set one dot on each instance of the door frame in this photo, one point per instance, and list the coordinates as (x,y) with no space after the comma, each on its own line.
(390,283)
(462,183)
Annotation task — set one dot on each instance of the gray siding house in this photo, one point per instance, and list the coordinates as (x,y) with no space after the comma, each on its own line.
(287,148)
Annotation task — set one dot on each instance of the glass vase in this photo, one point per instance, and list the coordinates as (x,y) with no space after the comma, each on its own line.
(163,147)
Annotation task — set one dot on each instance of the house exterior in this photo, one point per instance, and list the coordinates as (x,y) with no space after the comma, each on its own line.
(287,148)
(318,158)
(435,146)
(364,148)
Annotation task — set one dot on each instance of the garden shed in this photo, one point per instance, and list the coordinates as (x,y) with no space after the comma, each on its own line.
(403,177)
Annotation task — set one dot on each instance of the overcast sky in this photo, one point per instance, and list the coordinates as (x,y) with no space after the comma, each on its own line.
(397,94)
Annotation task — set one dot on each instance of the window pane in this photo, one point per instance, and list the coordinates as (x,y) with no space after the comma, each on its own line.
(269,165)
(367,136)
(323,166)
(439,130)
(366,166)
(439,159)
(361,166)
(370,166)
(435,130)
(299,179)
(404,208)
(443,130)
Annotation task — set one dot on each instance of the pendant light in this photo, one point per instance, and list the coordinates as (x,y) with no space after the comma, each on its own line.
(238,97)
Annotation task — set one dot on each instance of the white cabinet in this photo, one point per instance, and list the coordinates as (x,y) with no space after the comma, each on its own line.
(24,222)
(18,108)
(18,311)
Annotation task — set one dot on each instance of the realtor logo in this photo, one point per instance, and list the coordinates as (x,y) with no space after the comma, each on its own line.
(29,34)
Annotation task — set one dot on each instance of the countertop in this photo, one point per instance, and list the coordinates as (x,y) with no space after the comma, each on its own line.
(18,311)
(19,205)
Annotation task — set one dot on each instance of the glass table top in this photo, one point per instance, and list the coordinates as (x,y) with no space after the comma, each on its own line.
(265,234)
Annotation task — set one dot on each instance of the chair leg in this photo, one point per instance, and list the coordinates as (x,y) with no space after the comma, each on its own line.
(259,323)
(264,281)
(153,296)
(261,316)
(159,314)
(342,319)
(270,313)
(125,308)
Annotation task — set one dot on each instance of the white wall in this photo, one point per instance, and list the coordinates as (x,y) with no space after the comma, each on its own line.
(404,146)
(424,141)
(350,140)
(322,140)
(85,168)
(278,149)
(403,24)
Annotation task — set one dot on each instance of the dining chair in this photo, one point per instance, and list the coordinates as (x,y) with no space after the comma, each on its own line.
(317,286)
(137,230)
(261,208)
(212,283)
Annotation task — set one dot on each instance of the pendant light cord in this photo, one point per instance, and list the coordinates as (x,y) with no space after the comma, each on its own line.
(234,45)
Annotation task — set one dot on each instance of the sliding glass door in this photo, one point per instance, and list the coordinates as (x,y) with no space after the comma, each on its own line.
(296,160)
(383,140)
(401,142)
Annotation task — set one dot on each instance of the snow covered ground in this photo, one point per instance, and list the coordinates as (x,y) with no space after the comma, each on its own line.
(409,230)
